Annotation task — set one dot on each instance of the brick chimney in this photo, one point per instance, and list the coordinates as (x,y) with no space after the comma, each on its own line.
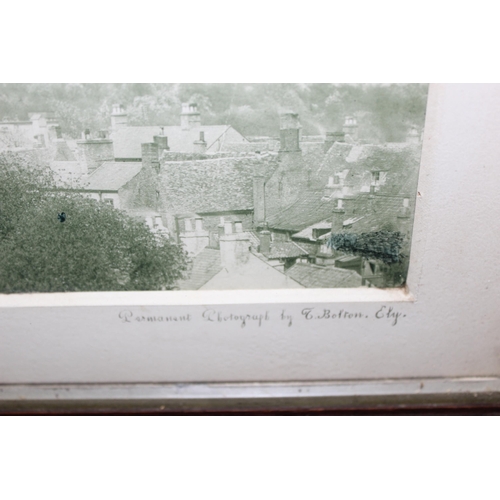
(190,116)
(195,238)
(234,246)
(119,117)
(94,152)
(350,127)
(200,146)
(289,133)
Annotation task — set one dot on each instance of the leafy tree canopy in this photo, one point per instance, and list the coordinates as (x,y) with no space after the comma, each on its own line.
(97,248)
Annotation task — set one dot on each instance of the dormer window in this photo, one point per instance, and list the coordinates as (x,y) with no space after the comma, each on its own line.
(376,176)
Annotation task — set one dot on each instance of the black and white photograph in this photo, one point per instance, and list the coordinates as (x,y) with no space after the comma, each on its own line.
(127,187)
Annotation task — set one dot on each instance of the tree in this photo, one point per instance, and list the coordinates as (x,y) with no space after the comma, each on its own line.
(97,248)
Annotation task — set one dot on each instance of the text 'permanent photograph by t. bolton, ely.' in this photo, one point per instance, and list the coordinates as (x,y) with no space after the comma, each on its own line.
(122,187)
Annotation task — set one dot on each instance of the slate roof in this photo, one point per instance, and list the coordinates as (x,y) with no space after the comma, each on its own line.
(203,268)
(372,214)
(218,185)
(312,276)
(307,233)
(309,209)
(285,250)
(127,141)
(111,176)
(399,161)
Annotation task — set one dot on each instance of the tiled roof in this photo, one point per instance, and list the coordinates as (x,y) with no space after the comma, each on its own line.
(360,160)
(309,209)
(312,276)
(372,213)
(307,233)
(111,176)
(203,268)
(219,185)
(127,141)
(285,250)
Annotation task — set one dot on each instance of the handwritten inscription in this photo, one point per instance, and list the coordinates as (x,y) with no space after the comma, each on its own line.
(218,317)
(244,319)
(129,317)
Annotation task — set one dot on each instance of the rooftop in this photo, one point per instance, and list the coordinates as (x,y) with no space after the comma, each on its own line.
(309,209)
(218,185)
(111,176)
(204,267)
(127,141)
(312,276)
(285,250)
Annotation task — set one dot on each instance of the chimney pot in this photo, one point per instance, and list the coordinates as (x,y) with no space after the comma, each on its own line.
(238,226)
(188,225)
(228,227)
(198,222)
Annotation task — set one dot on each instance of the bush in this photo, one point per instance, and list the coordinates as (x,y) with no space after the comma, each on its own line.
(97,248)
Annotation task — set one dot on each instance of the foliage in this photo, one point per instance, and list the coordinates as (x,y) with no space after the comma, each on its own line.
(384,111)
(382,245)
(97,248)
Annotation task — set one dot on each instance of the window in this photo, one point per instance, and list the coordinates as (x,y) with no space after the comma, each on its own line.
(109,201)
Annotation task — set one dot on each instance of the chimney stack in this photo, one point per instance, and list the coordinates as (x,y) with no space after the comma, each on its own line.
(200,146)
(150,156)
(234,247)
(338,217)
(331,138)
(162,141)
(350,127)
(119,118)
(190,116)
(265,241)
(194,240)
(259,200)
(289,133)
